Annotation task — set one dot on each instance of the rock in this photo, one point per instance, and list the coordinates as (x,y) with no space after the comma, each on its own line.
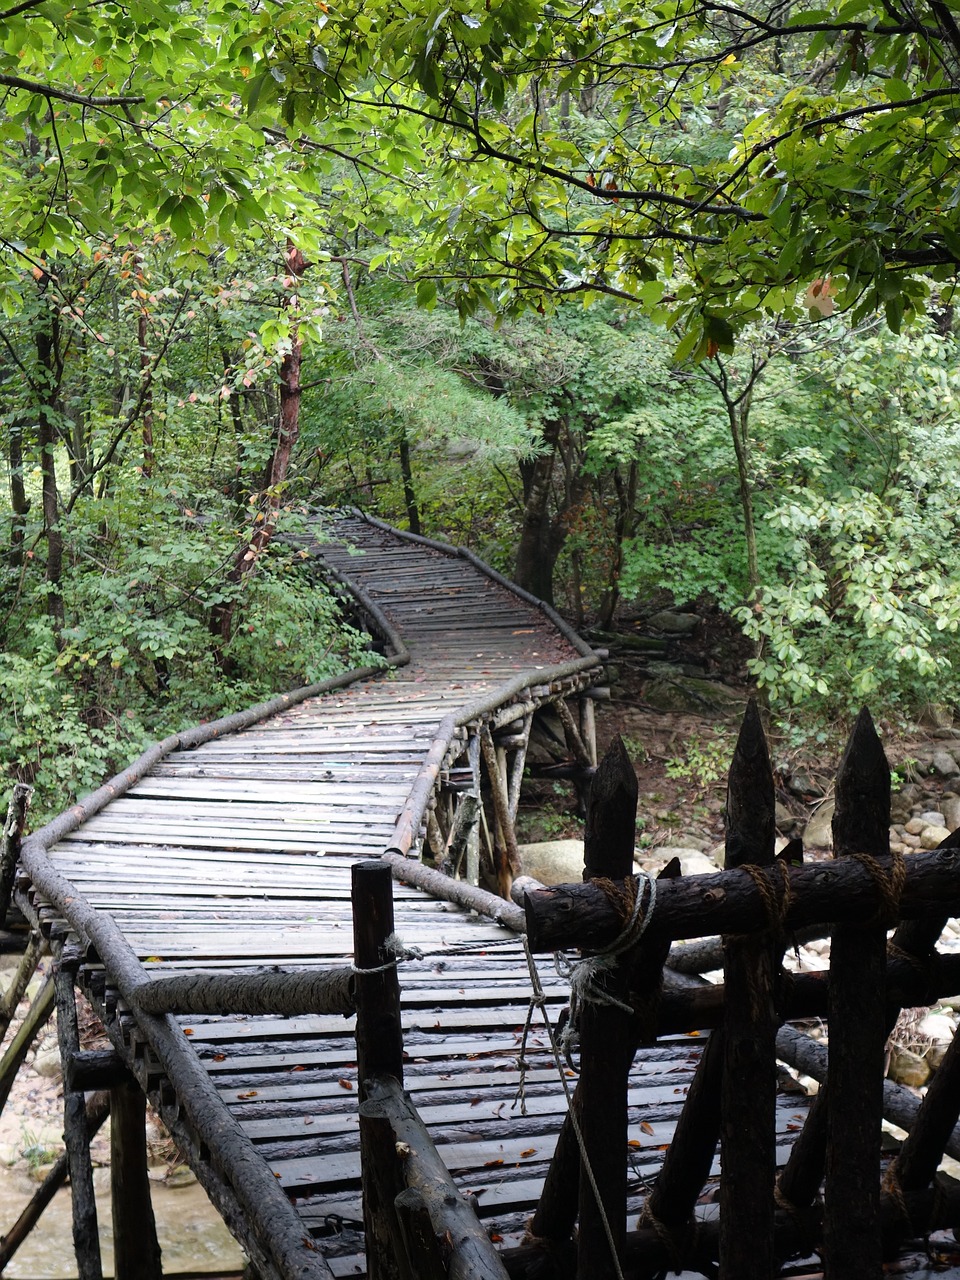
(801,783)
(943,763)
(951,812)
(912,842)
(907,1067)
(914,826)
(47,1064)
(676,670)
(693,862)
(911,793)
(935,1055)
(686,695)
(932,818)
(785,820)
(676,624)
(932,836)
(691,840)
(936,715)
(553,861)
(818,834)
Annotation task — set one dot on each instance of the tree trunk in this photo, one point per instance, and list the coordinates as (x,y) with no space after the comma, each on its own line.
(19,502)
(406,472)
(222,617)
(48,393)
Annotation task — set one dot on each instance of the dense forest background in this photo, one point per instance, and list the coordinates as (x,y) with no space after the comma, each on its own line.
(642,302)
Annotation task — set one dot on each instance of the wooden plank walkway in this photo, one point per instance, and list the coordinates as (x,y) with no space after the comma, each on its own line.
(236,855)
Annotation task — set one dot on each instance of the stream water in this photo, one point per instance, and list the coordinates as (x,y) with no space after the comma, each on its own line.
(192,1234)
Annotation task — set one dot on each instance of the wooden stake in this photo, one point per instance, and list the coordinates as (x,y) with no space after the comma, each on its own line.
(606,1033)
(749,1075)
(861,824)
(86,1234)
(136,1251)
(379,1053)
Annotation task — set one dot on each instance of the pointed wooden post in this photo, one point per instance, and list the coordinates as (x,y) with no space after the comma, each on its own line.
(606,1033)
(749,1073)
(861,825)
(379,1052)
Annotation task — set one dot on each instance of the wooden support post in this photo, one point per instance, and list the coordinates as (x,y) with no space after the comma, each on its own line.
(516,768)
(508,858)
(136,1250)
(97,1110)
(13,829)
(36,1019)
(21,980)
(572,734)
(749,1074)
(689,1158)
(461,829)
(379,1053)
(861,825)
(588,727)
(607,1034)
(473,839)
(86,1233)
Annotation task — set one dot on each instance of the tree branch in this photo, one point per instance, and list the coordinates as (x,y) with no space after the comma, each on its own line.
(65,95)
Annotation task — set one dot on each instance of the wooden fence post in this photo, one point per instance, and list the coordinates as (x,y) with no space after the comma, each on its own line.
(749,1074)
(861,828)
(607,1033)
(379,1052)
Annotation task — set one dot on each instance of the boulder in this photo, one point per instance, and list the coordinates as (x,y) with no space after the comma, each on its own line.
(687,695)
(951,812)
(936,715)
(944,764)
(931,837)
(553,861)
(675,624)
(818,833)
(693,862)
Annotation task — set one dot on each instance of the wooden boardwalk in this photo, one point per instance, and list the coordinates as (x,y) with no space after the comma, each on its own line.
(236,855)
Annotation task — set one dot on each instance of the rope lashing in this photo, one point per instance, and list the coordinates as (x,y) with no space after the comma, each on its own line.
(890,887)
(397,949)
(585,975)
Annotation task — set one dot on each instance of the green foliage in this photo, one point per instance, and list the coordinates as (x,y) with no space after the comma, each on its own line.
(863,604)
